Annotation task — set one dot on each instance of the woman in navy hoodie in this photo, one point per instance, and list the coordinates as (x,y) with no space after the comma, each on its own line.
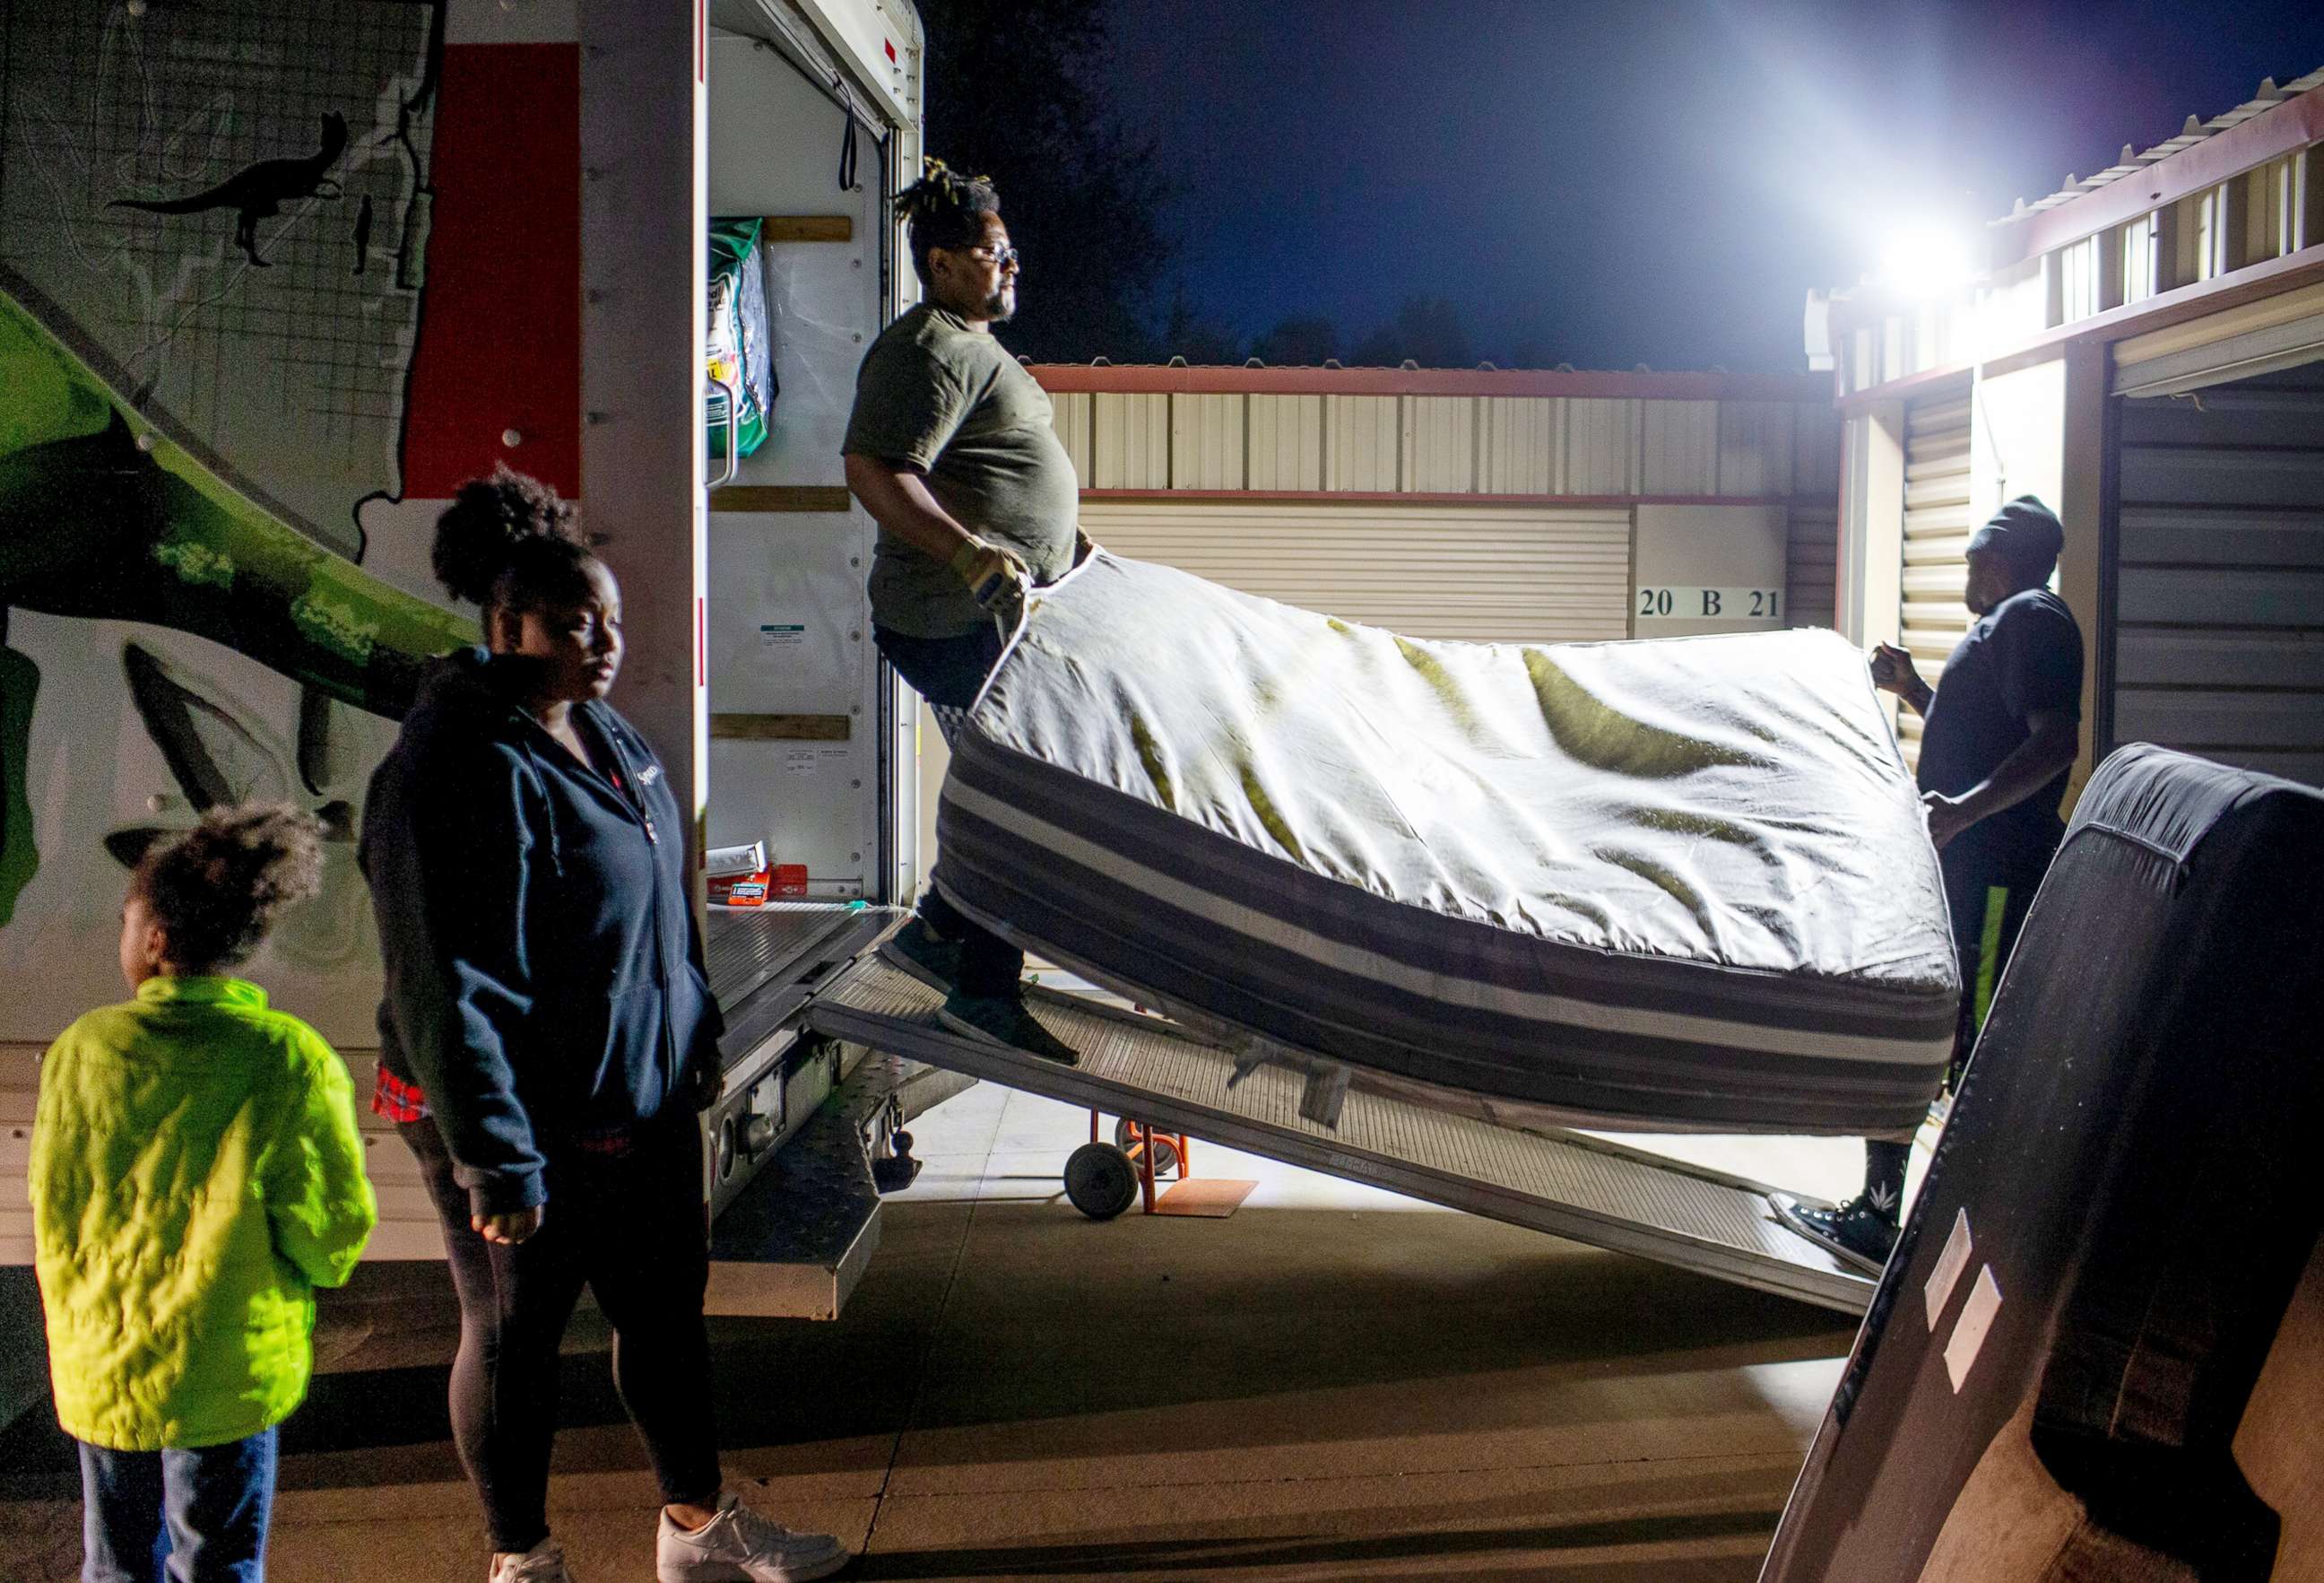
(547,1037)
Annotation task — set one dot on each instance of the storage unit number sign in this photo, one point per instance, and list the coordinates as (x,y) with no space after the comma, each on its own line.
(1675,604)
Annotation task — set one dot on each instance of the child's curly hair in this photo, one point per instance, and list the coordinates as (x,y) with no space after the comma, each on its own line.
(218,889)
(945,209)
(512,541)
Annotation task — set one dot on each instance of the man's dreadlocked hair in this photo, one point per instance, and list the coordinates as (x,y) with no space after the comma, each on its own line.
(945,210)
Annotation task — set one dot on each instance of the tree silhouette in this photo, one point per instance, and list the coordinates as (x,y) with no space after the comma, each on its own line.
(1299,342)
(1534,352)
(1186,333)
(1082,194)
(1427,330)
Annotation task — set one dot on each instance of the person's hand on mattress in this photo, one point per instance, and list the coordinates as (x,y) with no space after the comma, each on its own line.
(1948,816)
(1084,546)
(996,576)
(1893,671)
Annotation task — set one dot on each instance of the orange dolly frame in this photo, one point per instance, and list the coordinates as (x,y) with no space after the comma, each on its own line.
(1102,1178)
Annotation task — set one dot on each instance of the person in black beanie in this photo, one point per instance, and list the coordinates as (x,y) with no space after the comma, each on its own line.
(2003,729)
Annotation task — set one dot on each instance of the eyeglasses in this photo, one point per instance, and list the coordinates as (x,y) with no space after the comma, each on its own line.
(1003,257)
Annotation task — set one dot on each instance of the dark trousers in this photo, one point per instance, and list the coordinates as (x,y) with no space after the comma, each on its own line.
(630,1229)
(191,1516)
(1989,899)
(949,672)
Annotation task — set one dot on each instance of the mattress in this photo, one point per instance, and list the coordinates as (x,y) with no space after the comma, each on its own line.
(2094,1352)
(1675,884)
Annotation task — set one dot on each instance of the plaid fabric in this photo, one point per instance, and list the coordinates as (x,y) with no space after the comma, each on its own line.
(949,721)
(615,1142)
(396,1099)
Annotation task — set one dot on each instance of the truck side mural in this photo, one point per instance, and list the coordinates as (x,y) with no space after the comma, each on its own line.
(256,323)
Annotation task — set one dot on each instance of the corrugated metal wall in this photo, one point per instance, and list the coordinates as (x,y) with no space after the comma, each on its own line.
(1481,573)
(1450,445)
(2219,576)
(1812,565)
(1936,538)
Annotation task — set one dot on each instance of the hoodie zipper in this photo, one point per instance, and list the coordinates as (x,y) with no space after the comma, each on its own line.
(632,791)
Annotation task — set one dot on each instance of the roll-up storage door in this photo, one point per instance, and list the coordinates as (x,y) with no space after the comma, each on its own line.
(2265,337)
(1480,574)
(1812,565)
(1936,537)
(2218,636)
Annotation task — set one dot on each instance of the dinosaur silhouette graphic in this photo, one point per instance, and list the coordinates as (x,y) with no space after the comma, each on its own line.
(259,192)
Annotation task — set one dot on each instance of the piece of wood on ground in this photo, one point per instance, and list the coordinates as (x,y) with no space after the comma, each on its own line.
(1212,1198)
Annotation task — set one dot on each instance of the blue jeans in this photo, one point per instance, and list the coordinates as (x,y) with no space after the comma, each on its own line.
(191,1516)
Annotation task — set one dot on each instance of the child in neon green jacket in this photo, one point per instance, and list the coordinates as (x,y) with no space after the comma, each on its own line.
(196,1173)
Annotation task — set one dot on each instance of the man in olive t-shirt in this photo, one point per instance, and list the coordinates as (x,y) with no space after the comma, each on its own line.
(951,450)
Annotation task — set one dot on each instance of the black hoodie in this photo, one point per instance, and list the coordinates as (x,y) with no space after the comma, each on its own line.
(544,975)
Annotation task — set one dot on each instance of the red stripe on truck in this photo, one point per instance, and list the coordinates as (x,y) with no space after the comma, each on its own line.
(500,320)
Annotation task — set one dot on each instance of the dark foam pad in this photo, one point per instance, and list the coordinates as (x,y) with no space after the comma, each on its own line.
(2070,1334)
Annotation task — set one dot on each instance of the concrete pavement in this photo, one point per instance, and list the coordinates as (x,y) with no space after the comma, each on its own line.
(1332,1383)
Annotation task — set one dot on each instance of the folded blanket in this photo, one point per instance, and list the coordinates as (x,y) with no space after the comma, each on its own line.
(1670,885)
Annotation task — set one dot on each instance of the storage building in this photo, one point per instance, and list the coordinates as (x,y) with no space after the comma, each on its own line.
(2144,350)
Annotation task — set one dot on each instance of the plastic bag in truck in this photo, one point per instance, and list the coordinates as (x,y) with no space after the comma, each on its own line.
(741,356)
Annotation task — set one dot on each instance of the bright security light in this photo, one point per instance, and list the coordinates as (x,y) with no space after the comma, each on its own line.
(1923,258)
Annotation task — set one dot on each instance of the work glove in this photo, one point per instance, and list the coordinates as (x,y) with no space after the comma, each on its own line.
(995,575)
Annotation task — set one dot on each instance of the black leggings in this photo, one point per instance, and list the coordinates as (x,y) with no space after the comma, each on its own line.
(629,1229)
(949,672)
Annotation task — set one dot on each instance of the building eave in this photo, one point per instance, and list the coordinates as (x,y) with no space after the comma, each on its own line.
(2291,125)
(1150,379)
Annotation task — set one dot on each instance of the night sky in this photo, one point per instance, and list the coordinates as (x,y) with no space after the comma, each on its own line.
(1637,183)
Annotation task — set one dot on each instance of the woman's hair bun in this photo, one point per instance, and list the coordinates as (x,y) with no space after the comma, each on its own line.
(488,527)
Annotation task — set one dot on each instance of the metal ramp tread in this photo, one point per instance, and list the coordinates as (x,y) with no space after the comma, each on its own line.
(1567,1184)
(795,1242)
(745,947)
(764,962)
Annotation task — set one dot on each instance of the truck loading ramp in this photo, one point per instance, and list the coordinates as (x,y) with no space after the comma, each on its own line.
(1573,1185)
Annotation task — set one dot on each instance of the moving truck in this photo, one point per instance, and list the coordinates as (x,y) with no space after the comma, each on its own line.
(268,296)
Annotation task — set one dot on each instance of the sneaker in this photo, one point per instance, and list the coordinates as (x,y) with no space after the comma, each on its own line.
(927,956)
(543,1563)
(992,1018)
(1859,1231)
(739,1546)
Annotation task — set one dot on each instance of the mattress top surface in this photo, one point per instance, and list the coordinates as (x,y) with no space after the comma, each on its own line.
(1734,801)
(2168,802)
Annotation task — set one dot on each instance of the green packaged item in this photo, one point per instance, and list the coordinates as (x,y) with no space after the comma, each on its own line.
(741,359)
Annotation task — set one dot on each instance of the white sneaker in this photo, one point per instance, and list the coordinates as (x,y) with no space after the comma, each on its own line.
(543,1563)
(739,1546)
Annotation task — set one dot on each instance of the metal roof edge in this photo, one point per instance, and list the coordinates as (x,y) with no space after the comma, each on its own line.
(2203,154)
(1638,385)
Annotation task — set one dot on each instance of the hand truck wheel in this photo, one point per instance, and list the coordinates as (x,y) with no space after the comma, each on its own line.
(1166,1147)
(1100,1180)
